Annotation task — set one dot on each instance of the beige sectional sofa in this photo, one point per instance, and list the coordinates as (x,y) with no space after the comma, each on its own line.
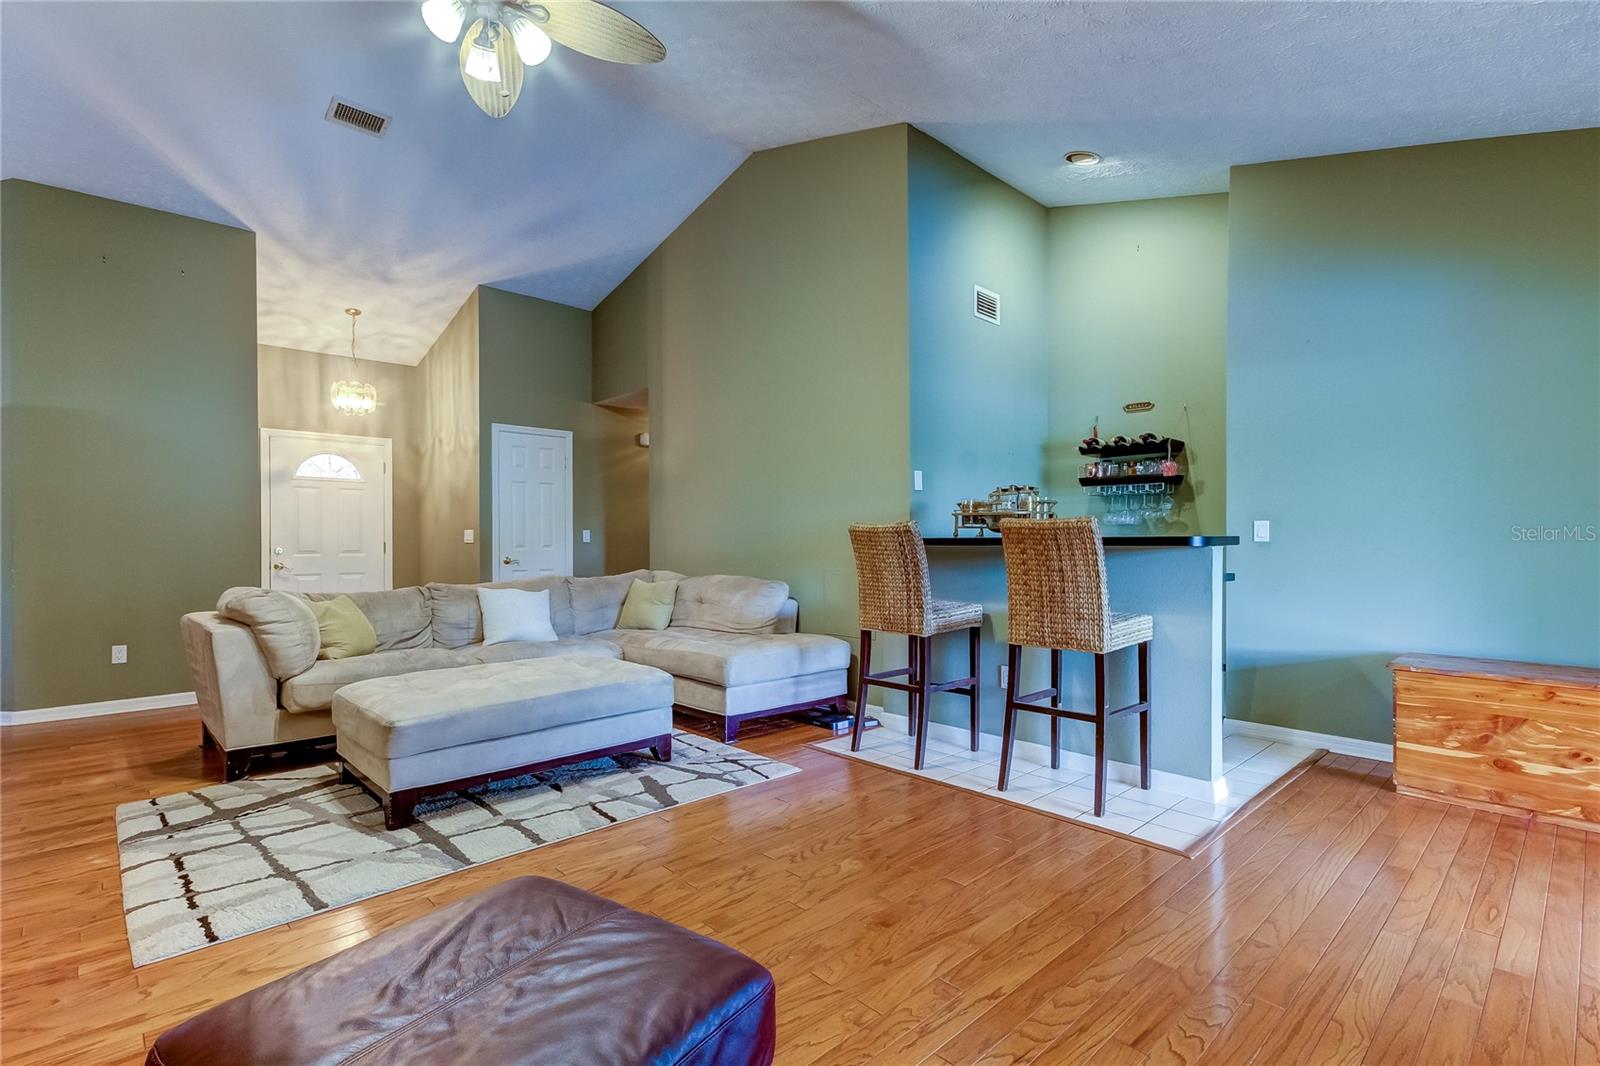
(731,646)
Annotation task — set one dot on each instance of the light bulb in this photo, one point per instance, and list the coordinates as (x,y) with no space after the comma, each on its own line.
(533,44)
(481,61)
(443,18)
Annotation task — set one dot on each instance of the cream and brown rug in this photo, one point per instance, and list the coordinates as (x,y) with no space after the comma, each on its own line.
(209,865)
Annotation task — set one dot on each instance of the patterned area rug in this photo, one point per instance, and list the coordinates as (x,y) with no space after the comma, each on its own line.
(209,865)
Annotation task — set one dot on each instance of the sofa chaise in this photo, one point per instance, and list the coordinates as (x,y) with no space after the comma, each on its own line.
(731,647)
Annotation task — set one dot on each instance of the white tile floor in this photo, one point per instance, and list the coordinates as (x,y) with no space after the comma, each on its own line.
(1162,818)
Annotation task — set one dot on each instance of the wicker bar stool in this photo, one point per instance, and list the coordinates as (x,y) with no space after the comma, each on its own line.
(1056,584)
(892,574)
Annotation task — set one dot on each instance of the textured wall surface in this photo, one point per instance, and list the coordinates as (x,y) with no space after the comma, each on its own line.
(131,490)
(534,370)
(293,387)
(449,451)
(778,376)
(1413,374)
(1139,306)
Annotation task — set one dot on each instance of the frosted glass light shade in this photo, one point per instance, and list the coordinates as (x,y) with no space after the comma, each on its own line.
(443,18)
(533,44)
(354,397)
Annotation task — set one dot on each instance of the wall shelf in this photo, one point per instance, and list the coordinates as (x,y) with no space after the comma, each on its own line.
(1173,447)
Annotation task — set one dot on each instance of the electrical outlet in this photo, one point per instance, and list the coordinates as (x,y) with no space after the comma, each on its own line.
(468,536)
(1004,677)
(916,481)
(1263,531)
(119,654)
(586,537)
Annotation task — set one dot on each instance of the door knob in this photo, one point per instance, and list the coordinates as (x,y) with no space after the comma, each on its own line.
(279,566)
(508,561)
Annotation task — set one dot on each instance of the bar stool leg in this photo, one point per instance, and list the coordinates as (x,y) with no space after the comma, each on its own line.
(1009,735)
(1099,736)
(861,689)
(973,636)
(911,679)
(924,673)
(1144,715)
(1055,701)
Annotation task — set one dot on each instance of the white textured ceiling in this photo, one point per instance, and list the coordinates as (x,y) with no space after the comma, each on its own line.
(214,109)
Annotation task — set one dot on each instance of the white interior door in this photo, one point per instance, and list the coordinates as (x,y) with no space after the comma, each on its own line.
(532,507)
(325,512)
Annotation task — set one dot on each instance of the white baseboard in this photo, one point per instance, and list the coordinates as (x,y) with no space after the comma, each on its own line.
(1304,738)
(1188,787)
(95,710)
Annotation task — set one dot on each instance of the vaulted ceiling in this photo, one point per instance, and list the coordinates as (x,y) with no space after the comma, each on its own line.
(215,110)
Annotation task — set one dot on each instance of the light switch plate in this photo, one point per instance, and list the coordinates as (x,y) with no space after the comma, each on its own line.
(119,654)
(586,536)
(1003,677)
(468,536)
(916,481)
(1263,531)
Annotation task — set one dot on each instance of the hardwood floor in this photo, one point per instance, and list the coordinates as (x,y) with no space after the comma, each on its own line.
(911,922)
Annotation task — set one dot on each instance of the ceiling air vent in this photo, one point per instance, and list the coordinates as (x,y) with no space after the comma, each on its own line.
(348,114)
(985,304)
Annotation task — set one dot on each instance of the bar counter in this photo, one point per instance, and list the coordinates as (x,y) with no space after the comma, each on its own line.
(1178,579)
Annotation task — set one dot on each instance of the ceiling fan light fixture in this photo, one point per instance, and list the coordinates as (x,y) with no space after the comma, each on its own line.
(480,61)
(444,18)
(533,44)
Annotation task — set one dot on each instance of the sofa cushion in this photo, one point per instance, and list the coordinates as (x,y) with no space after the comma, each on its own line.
(583,647)
(730,659)
(729,604)
(515,615)
(393,717)
(313,690)
(458,619)
(597,601)
(283,625)
(399,617)
(343,630)
(649,605)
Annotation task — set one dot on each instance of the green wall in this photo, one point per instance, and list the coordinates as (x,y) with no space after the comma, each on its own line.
(131,490)
(1139,300)
(774,322)
(292,389)
(1413,377)
(534,367)
(449,451)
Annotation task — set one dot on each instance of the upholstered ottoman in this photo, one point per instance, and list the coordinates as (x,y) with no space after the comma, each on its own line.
(529,971)
(410,735)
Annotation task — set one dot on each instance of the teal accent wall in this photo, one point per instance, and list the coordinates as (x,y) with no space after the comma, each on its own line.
(1138,311)
(1413,378)
(130,481)
(978,412)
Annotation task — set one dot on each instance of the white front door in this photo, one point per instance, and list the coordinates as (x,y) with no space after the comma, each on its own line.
(532,508)
(325,517)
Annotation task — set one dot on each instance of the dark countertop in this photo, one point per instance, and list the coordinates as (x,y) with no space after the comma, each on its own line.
(1180,540)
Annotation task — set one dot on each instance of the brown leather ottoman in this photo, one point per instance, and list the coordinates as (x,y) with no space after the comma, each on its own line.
(529,971)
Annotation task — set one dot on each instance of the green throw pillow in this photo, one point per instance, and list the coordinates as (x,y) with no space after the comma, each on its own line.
(649,605)
(345,630)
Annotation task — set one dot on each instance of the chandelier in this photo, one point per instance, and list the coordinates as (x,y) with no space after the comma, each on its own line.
(354,397)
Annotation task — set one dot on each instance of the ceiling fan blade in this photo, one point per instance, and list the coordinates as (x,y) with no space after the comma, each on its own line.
(594,29)
(494,98)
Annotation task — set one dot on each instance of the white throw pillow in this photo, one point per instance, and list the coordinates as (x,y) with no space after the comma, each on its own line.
(516,614)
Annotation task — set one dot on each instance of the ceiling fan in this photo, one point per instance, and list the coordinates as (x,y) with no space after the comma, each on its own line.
(504,36)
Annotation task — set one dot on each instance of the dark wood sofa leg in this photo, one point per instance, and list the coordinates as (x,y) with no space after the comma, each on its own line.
(235,764)
(730,730)
(399,809)
(662,749)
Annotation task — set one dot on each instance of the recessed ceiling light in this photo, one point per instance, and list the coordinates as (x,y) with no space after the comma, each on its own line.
(1082,159)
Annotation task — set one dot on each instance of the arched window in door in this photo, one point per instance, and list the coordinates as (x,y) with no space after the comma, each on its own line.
(327,466)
